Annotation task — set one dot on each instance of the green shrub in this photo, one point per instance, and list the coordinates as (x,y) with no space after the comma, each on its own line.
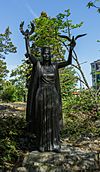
(78,111)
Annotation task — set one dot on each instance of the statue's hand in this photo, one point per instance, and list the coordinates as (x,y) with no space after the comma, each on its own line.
(21,28)
(27,32)
(73,40)
(22,23)
(73,43)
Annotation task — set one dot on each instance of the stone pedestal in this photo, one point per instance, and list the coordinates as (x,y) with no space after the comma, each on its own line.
(44,162)
(70,159)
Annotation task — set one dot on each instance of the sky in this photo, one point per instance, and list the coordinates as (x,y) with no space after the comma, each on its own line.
(12,12)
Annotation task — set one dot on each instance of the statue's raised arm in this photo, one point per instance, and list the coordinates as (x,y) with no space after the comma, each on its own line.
(27,34)
(71,45)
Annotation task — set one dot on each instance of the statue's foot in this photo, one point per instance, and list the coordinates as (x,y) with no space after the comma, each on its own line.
(56,148)
(41,149)
(52,148)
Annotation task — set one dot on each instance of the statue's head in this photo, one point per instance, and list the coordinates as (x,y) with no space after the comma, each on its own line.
(46,54)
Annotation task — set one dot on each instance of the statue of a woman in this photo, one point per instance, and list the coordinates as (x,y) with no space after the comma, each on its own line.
(44,99)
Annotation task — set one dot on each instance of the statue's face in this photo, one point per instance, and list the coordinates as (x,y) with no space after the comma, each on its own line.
(46,55)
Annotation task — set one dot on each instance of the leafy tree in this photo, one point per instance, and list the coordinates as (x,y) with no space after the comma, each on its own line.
(68,81)
(67,27)
(6,46)
(46,33)
(3,73)
(8,92)
(19,76)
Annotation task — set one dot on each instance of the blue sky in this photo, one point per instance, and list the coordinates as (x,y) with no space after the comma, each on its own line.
(12,12)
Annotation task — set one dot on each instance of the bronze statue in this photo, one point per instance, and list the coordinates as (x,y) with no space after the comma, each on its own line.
(44,111)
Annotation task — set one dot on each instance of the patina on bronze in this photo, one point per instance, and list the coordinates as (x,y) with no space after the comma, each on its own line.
(44,107)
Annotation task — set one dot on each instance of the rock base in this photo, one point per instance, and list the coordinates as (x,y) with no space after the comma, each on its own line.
(70,159)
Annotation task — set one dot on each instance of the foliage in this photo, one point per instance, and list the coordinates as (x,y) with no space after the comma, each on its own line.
(8,92)
(79,121)
(65,23)
(47,32)
(3,73)
(68,81)
(93,4)
(79,110)
(11,131)
(18,78)
(6,45)
(14,137)
(79,107)
(15,89)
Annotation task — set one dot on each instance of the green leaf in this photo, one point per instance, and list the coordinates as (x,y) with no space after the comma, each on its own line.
(90,4)
(98,10)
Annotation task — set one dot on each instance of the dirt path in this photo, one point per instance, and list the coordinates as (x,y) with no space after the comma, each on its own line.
(12,109)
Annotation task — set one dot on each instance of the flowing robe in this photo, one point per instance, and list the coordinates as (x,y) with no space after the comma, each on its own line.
(44,106)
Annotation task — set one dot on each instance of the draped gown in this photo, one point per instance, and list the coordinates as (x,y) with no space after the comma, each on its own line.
(44,106)
(47,109)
